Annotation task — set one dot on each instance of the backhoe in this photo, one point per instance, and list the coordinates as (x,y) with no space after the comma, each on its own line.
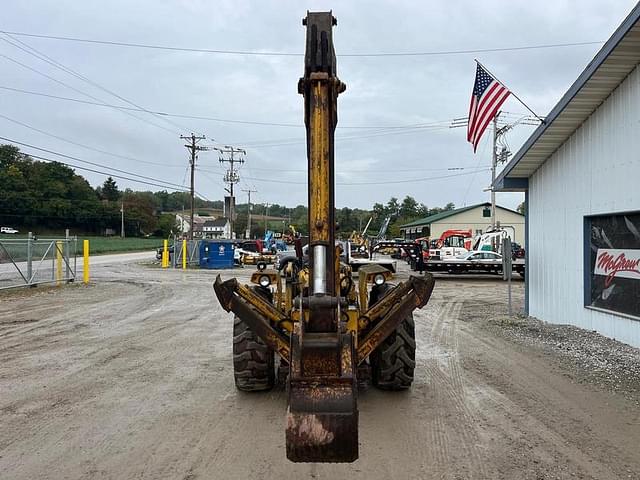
(330,328)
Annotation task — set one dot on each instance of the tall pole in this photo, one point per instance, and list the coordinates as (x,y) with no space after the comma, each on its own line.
(122,220)
(193,148)
(192,190)
(494,162)
(265,217)
(248,232)
(231,177)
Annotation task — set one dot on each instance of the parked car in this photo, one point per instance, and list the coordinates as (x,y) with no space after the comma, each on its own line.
(161,249)
(474,261)
(8,230)
(479,256)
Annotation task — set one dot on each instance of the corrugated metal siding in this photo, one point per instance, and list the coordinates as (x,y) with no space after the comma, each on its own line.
(595,171)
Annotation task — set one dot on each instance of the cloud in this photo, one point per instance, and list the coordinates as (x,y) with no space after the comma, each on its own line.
(381,91)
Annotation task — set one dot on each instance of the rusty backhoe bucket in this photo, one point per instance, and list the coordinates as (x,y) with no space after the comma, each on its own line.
(322,417)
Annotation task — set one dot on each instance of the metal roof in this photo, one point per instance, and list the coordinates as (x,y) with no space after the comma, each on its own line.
(448,213)
(611,65)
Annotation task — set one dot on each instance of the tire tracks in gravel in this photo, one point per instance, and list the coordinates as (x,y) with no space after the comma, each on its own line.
(128,341)
(516,408)
(455,435)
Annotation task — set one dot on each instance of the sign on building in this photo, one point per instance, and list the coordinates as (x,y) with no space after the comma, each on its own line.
(613,260)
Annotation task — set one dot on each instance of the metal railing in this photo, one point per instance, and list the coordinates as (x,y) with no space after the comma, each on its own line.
(33,261)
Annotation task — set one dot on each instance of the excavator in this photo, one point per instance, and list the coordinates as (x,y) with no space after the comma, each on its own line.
(330,329)
(450,244)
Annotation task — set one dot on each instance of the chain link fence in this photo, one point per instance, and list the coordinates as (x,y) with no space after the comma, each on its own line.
(34,261)
(193,253)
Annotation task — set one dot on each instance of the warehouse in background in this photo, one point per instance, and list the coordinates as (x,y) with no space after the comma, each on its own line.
(579,171)
(476,218)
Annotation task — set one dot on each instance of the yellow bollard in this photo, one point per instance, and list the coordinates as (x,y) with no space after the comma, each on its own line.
(165,254)
(58,262)
(85,265)
(184,254)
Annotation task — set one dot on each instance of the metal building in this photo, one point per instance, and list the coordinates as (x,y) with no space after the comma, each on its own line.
(476,218)
(580,172)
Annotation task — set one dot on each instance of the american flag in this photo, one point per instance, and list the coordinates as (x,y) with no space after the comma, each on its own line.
(487,97)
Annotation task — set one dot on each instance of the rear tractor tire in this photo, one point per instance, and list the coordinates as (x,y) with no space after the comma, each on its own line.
(393,362)
(253,360)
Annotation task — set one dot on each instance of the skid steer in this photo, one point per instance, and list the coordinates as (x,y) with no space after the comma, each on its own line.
(329,329)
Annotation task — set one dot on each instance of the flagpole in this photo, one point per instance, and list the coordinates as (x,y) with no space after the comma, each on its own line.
(511,91)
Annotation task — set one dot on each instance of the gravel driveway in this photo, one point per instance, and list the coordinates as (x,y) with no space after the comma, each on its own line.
(131,377)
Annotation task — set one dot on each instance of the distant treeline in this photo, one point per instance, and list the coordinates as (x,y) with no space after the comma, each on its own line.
(37,196)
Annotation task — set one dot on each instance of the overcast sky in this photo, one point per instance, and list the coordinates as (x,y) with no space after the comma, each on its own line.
(382,91)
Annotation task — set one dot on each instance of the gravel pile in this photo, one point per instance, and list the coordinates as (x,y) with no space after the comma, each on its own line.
(586,356)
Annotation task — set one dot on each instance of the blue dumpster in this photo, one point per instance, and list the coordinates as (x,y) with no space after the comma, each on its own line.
(216,254)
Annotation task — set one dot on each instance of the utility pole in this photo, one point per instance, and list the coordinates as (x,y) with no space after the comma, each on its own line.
(122,219)
(248,232)
(266,208)
(494,162)
(193,148)
(231,177)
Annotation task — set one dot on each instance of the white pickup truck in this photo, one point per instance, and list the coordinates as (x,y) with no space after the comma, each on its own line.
(8,230)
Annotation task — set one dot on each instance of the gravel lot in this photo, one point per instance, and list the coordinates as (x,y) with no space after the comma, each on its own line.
(131,377)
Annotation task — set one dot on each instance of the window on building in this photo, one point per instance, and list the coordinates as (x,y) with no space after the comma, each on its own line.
(612,263)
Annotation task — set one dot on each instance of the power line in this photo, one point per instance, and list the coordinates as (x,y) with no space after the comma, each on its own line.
(289,170)
(124,110)
(380,130)
(45,58)
(58,217)
(100,103)
(217,181)
(375,131)
(388,182)
(466,193)
(87,161)
(292,54)
(383,131)
(181,189)
(342,138)
(72,142)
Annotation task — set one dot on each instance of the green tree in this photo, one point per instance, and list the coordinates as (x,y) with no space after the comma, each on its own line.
(408,207)
(109,190)
(392,206)
(139,213)
(166,225)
